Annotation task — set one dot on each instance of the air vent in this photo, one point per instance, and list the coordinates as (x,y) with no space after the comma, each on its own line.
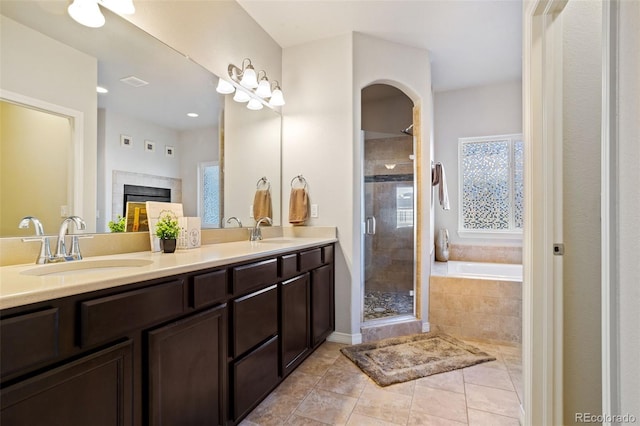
(134,81)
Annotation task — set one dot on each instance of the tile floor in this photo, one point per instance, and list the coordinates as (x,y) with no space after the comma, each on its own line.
(383,304)
(328,389)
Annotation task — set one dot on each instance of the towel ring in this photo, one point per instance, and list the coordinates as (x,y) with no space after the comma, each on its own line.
(264,181)
(300,178)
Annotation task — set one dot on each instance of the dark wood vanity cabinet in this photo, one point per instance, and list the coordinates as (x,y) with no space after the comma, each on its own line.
(202,348)
(92,390)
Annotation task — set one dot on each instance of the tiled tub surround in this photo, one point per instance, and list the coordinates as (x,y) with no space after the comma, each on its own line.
(485,253)
(475,307)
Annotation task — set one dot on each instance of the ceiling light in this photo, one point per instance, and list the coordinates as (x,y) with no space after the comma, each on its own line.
(192,114)
(224,87)
(241,96)
(390,166)
(254,104)
(101,90)
(86,12)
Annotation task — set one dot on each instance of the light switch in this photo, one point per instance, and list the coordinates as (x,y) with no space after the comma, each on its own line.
(314,210)
(251,210)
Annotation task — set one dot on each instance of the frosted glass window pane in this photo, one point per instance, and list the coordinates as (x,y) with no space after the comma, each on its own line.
(211,196)
(486,200)
(518,184)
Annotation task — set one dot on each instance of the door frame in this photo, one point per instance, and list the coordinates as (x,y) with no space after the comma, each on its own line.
(542,278)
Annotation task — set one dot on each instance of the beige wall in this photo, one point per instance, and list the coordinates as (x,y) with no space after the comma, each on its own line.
(629,208)
(58,75)
(31,183)
(582,64)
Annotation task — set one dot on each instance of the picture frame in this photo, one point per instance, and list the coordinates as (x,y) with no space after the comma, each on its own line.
(149,146)
(126,141)
(169,151)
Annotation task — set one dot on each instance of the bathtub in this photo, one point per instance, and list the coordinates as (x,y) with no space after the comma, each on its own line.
(477,300)
(487,271)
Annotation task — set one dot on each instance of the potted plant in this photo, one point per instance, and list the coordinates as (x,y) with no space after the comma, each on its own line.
(117,225)
(167,230)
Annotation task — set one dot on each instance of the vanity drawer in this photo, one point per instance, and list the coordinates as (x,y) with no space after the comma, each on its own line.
(310,259)
(254,319)
(113,316)
(29,339)
(288,266)
(254,377)
(209,288)
(255,275)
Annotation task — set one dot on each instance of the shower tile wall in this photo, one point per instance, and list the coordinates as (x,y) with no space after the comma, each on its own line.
(485,253)
(389,255)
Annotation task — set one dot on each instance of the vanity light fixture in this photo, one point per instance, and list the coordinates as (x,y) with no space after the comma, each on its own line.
(255,89)
(87,12)
(192,114)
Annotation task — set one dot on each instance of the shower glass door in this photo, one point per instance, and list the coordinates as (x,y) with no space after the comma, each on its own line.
(389,227)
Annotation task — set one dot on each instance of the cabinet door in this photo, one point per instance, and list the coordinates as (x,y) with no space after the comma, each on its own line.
(186,373)
(322,303)
(93,390)
(295,336)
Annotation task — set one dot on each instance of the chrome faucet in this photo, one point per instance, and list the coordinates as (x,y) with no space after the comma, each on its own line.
(256,233)
(45,247)
(236,219)
(61,253)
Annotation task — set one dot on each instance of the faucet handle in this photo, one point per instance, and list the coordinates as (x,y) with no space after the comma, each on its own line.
(45,248)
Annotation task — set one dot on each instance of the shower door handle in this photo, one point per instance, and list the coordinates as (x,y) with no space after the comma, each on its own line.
(370,225)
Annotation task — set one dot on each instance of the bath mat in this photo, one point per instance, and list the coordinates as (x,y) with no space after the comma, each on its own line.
(400,359)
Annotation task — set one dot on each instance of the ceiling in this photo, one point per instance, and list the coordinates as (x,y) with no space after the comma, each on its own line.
(470,42)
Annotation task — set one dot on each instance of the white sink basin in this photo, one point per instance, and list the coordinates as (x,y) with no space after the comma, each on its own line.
(85,266)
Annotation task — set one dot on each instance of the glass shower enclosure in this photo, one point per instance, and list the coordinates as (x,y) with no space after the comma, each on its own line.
(389,237)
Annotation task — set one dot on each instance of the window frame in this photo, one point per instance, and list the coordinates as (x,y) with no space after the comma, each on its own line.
(511,233)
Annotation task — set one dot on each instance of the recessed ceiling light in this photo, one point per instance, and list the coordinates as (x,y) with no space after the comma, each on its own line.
(192,115)
(101,90)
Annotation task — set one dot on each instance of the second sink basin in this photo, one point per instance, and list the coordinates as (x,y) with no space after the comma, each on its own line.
(85,266)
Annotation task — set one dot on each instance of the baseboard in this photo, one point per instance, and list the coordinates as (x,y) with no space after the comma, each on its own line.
(426,327)
(348,339)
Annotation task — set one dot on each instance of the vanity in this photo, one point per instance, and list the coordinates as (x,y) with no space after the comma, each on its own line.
(198,337)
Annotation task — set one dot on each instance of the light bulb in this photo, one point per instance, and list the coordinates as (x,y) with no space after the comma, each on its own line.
(264,89)
(277,99)
(254,105)
(86,12)
(241,96)
(249,78)
(224,87)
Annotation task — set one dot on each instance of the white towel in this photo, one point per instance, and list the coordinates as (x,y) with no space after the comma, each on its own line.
(438,178)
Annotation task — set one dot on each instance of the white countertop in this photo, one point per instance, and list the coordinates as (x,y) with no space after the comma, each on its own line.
(18,288)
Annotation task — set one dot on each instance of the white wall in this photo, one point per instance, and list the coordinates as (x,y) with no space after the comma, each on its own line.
(321,140)
(39,67)
(476,111)
(252,145)
(582,65)
(629,207)
(317,143)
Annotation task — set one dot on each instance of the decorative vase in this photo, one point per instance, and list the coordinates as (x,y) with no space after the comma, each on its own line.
(168,245)
(442,245)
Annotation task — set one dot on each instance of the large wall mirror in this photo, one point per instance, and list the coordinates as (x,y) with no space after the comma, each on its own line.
(70,150)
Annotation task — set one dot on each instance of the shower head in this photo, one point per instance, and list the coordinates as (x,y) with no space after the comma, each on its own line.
(408,130)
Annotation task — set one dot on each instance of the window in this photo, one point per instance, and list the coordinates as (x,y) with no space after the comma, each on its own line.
(404,206)
(491,185)
(209,194)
